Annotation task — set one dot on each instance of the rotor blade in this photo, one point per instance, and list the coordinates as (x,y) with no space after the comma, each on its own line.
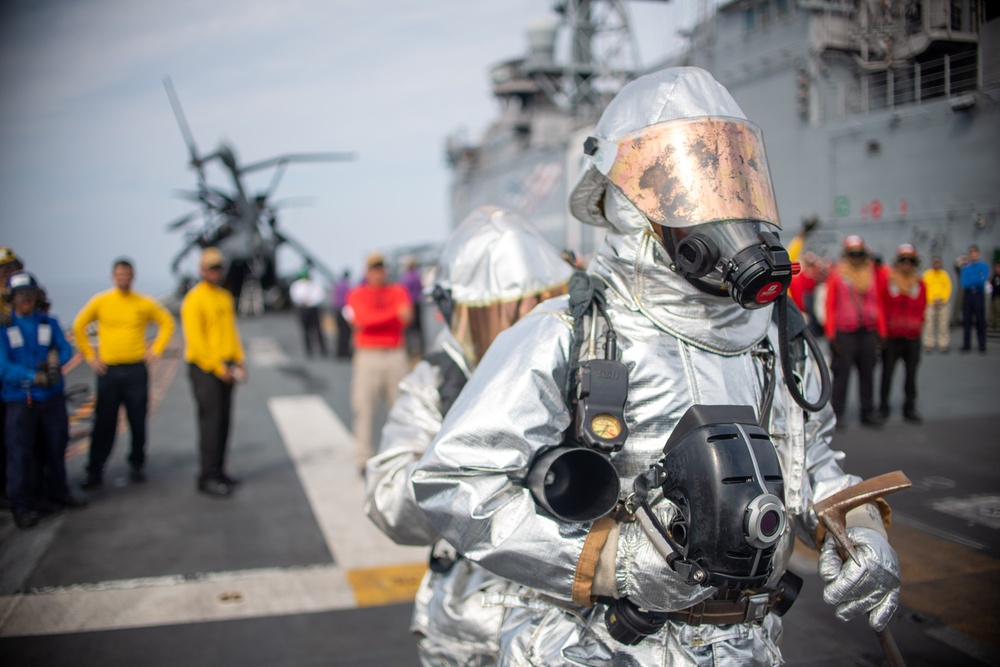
(298,157)
(175,103)
(275,179)
(181,221)
(306,255)
(292,202)
(190,195)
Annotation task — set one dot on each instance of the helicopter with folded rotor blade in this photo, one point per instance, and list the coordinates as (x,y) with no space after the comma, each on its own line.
(241,223)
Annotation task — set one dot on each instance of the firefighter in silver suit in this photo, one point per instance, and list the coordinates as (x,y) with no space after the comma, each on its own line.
(493,269)
(678,178)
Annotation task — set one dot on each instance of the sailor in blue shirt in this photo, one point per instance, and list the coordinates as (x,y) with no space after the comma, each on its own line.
(32,350)
(973,278)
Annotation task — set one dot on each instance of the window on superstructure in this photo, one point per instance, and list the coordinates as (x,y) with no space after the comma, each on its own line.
(956,15)
(751,18)
(782,7)
(764,12)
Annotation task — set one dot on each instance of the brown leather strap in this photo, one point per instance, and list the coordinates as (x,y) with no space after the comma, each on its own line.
(583,578)
(726,612)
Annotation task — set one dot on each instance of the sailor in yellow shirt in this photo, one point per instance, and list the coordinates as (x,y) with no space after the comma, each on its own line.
(215,363)
(938,284)
(119,361)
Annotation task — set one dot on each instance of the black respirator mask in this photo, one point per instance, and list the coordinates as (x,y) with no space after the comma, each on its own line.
(742,259)
(709,170)
(722,472)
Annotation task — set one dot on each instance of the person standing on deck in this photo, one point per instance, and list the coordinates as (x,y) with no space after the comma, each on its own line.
(904,298)
(855,325)
(308,295)
(215,364)
(974,276)
(340,291)
(9,263)
(33,350)
(938,284)
(379,313)
(414,286)
(120,362)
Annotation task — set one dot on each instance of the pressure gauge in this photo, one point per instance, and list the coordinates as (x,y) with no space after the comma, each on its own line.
(599,422)
(605,426)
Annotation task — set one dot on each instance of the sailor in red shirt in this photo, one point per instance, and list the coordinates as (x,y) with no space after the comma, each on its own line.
(854,325)
(904,299)
(379,313)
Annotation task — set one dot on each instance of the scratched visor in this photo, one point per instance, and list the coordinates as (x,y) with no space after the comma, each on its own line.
(692,171)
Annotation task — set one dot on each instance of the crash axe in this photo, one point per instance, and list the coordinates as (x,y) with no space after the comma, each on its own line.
(832,512)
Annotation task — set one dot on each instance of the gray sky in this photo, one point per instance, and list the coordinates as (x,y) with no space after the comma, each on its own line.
(91,152)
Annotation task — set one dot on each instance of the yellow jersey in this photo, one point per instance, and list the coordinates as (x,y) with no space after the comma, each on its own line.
(122,319)
(938,284)
(211,338)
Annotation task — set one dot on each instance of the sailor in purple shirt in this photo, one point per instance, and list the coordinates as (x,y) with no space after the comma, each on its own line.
(414,286)
(340,290)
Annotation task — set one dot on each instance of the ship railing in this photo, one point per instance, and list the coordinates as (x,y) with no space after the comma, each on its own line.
(891,88)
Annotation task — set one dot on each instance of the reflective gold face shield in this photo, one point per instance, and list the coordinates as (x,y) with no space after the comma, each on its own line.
(691,171)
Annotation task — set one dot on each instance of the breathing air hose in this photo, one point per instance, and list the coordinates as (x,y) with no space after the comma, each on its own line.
(787,371)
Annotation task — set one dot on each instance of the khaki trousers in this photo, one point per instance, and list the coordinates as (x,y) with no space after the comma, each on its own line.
(936,322)
(375,375)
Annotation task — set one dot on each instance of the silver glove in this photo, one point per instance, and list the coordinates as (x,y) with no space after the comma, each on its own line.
(869,586)
(643,575)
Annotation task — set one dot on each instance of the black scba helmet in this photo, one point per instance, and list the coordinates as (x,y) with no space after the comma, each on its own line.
(722,472)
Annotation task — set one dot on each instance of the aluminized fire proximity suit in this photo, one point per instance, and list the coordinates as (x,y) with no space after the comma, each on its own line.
(493,269)
(681,346)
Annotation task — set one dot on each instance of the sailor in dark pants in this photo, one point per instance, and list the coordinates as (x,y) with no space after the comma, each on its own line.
(973,278)
(122,316)
(215,356)
(214,398)
(311,330)
(121,384)
(854,325)
(857,349)
(308,295)
(37,434)
(32,351)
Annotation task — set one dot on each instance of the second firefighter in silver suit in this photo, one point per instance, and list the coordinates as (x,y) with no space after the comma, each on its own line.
(494,268)
(671,155)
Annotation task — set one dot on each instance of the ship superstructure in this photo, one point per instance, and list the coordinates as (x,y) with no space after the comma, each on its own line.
(548,100)
(880,117)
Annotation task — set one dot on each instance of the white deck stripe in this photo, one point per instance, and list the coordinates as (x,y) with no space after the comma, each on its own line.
(322,451)
(264,351)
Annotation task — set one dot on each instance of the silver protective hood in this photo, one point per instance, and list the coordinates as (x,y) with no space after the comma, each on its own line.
(496,255)
(633,260)
(494,268)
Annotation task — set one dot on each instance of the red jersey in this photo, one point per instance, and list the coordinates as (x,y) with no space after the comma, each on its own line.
(376,315)
(905,303)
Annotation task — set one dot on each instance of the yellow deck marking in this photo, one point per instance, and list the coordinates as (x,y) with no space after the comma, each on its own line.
(386,585)
(323,452)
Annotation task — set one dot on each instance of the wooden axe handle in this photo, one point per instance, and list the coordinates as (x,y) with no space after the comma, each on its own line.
(864,492)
